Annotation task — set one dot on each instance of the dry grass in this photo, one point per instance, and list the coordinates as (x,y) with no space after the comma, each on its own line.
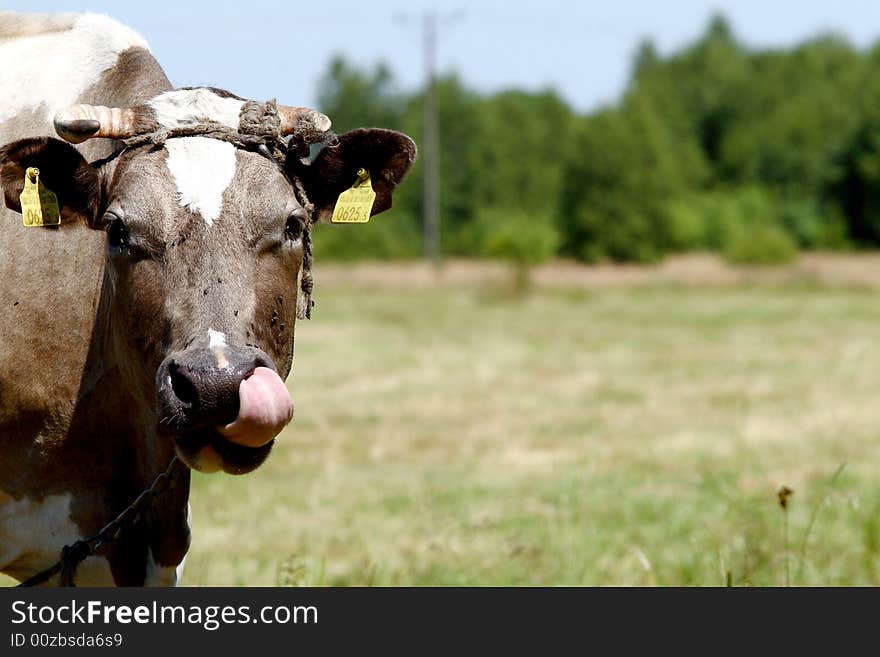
(588,433)
(700,269)
(619,426)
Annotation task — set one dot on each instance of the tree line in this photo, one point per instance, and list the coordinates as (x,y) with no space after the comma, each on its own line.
(754,153)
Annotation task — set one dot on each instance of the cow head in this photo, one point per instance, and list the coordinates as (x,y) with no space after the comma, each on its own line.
(206,242)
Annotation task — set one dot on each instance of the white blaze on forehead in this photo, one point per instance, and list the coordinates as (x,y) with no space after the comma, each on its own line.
(187,107)
(217,343)
(202,169)
(49,71)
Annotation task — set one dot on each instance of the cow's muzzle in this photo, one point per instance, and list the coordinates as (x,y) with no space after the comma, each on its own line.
(223,407)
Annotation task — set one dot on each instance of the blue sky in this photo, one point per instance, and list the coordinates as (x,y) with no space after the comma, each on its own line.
(261,49)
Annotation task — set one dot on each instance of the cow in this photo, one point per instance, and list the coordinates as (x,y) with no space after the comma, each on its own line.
(155,323)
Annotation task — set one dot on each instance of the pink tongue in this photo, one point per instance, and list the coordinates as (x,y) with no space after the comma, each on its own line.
(264,408)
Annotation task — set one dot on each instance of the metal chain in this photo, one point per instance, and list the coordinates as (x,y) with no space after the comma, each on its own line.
(74,554)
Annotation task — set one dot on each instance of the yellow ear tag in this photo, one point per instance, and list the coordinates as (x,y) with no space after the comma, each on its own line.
(39,206)
(355,204)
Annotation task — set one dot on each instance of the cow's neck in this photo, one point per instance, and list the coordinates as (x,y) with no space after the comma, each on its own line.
(131,450)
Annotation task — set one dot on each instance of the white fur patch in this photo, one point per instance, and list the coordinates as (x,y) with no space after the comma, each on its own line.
(216,339)
(32,534)
(187,107)
(49,71)
(179,570)
(217,343)
(160,575)
(202,169)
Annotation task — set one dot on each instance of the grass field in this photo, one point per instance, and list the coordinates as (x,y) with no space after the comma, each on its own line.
(587,433)
(615,426)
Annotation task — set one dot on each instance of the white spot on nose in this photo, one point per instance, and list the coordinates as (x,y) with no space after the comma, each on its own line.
(217,343)
(216,338)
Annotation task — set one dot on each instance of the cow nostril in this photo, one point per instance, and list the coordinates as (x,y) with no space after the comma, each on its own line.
(183,388)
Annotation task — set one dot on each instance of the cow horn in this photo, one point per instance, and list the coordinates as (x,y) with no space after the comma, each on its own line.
(303,121)
(80,122)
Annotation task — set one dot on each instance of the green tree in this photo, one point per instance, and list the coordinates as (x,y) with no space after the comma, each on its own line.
(354,98)
(522,239)
(715,146)
(622,172)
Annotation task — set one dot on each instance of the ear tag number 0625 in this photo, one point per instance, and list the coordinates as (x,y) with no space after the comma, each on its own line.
(39,206)
(355,204)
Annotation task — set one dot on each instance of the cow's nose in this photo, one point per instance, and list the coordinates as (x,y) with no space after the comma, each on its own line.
(204,391)
(233,392)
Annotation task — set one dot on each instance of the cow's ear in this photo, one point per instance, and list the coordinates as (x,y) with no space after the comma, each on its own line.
(63,170)
(386,154)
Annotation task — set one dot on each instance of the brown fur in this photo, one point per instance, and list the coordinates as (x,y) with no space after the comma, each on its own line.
(83,329)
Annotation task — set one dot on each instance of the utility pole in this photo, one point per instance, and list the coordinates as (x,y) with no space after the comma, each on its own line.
(429,149)
(430,144)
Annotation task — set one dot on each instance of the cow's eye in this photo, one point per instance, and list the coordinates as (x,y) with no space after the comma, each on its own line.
(293,229)
(117,233)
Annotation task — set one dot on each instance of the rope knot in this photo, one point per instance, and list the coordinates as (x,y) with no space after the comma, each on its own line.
(71,557)
(260,119)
